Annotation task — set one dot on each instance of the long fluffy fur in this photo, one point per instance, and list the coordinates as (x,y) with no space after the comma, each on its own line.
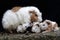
(11,20)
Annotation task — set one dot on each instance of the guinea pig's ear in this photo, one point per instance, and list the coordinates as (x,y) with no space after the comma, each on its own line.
(37,25)
(31,11)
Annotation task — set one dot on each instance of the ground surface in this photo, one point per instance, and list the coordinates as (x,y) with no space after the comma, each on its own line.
(31,36)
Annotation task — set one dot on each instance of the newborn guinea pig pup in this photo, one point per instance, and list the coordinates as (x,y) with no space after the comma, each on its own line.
(43,25)
(49,26)
(22,28)
(52,25)
(35,27)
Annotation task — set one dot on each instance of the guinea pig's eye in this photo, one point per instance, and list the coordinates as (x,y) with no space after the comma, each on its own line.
(43,24)
(36,15)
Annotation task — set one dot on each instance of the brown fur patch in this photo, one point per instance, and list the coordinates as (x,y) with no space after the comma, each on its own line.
(16,8)
(49,27)
(34,16)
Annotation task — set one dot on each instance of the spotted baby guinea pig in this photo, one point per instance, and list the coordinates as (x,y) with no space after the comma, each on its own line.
(36,27)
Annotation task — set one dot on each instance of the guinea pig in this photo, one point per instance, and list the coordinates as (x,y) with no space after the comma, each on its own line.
(49,26)
(36,27)
(20,15)
(21,29)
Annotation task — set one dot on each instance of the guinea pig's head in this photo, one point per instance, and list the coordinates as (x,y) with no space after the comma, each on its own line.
(43,25)
(35,16)
(36,27)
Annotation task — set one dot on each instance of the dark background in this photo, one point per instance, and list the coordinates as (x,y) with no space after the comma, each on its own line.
(50,9)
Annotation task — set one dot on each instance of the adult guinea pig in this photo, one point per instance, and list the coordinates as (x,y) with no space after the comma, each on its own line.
(20,15)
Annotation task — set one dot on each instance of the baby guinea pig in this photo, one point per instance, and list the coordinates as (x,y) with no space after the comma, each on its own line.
(36,27)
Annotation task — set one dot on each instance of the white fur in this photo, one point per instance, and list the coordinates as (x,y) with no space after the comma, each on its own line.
(43,25)
(54,28)
(13,19)
(21,28)
(24,12)
(9,20)
(35,28)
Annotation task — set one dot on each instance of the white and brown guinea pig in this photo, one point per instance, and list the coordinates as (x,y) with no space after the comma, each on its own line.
(20,15)
(36,27)
(49,26)
(22,28)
